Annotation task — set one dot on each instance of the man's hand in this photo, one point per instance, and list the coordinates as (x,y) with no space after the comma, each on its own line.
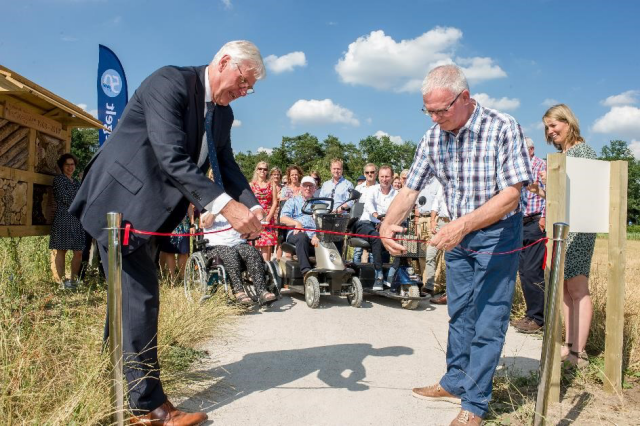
(433,227)
(315,241)
(297,225)
(206,220)
(543,176)
(242,219)
(259,213)
(388,231)
(449,236)
(542,224)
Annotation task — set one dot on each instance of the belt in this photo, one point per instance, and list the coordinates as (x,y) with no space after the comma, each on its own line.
(529,219)
(425,214)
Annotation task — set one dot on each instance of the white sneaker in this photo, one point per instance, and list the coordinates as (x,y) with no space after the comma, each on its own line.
(377,285)
(387,284)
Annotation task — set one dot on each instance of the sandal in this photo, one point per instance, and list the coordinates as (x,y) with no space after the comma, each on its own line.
(243,299)
(564,357)
(581,360)
(267,297)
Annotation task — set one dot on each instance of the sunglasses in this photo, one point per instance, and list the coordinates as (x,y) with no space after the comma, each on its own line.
(262,169)
(369,173)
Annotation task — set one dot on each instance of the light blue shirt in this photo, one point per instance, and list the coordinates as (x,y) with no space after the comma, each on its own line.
(338,191)
(293,209)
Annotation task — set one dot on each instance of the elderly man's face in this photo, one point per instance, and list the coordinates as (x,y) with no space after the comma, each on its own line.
(455,116)
(308,189)
(336,170)
(229,80)
(370,174)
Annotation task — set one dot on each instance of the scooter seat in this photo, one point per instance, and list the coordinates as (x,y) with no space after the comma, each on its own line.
(359,242)
(288,248)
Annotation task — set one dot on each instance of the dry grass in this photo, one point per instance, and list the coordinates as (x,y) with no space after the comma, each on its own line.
(584,401)
(52,369)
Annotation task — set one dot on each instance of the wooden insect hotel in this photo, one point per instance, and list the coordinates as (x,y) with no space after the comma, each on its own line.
(35,129)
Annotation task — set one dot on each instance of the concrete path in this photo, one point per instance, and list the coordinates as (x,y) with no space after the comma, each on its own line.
(336,365)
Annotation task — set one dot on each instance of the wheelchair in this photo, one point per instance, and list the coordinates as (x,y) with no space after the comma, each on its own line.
(204,273)
(406,283)
(328,276)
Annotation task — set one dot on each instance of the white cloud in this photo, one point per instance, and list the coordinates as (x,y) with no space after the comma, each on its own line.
(269,151)
(227,4)
(236,123)
(549,102)
(629,97)
(378,61)
(634,146)
(285,62)
(621,120)
(369,120)
(478,69)
(320,112)
(502,104)
(67,38)
(93,112)
(395,139)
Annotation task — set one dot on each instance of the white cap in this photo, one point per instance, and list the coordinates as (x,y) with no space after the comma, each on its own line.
(308,179)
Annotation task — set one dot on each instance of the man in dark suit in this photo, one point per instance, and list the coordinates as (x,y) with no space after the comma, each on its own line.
(176,125)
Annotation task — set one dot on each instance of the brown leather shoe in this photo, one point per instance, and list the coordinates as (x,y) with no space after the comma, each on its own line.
(433,392)
(440,300)
(466,418)
(527,326)
(168,415)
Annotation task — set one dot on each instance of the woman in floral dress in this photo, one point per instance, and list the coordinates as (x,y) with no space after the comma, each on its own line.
(267,194)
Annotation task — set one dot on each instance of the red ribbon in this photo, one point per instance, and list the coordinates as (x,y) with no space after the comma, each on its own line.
(128,228)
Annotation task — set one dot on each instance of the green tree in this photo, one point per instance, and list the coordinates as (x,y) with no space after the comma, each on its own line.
(84,143)
(382,151)
(618,150)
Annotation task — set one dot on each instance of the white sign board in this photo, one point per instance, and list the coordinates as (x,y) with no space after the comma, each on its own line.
(588,195)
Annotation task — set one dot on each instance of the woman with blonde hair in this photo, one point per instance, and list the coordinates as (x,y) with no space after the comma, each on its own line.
(561,129)
(266,192)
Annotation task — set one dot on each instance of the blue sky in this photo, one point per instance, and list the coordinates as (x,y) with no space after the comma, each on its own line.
(352,68)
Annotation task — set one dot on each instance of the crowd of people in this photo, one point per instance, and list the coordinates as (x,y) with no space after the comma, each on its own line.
(475,186)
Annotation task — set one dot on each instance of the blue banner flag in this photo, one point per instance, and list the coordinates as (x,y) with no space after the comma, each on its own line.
(112,91)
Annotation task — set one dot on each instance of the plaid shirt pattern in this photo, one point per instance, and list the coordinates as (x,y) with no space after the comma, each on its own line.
(486,156)
(531,203)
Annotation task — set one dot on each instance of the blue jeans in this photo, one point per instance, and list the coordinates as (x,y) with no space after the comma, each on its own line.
(479,295)
(357,255)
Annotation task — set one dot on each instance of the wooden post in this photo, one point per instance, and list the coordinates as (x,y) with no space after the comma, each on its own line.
(556,212)
(616,276)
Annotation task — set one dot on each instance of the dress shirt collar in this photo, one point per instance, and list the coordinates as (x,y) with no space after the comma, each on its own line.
(207,87)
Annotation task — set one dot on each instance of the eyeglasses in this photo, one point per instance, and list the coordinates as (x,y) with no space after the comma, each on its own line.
(440,112)
(370,173)
(244,85)
(262,169)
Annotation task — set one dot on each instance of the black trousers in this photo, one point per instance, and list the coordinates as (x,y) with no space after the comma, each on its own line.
(531,272)
(303,249)
(140,307)
(368,228)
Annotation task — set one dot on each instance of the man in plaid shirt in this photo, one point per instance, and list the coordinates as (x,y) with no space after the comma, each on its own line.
(479,157)
(531,268)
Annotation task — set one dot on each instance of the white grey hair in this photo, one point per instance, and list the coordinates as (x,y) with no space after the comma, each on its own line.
(449,77)
(529,142)
(243,51)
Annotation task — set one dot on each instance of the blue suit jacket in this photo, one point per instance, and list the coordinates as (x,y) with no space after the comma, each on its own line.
(147,169)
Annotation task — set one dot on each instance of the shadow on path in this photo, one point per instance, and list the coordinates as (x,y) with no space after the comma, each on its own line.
(339,366)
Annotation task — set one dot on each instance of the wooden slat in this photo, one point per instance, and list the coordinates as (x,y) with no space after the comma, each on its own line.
(616,277)
(25,176)
(556,212)
(24,231)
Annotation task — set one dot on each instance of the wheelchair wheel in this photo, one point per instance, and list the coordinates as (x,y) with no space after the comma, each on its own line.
(312,292)
(355,299)
(411,291)
(195,278)
(273,282)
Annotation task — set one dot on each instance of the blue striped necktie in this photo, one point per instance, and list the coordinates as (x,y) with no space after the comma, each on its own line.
(213,156)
